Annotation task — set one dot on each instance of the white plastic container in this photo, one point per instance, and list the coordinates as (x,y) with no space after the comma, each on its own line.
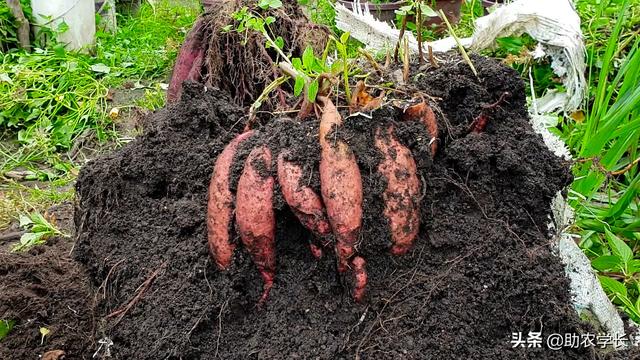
(79,15)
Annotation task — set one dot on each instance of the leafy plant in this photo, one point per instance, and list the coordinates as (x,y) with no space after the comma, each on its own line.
(39,229)
(5,328)
(605,139)
(154,98)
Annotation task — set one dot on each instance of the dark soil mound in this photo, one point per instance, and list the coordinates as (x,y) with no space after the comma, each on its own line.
(45,288)
(481,269)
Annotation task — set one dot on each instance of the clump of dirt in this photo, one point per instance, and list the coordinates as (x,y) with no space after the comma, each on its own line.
(45,288)
(481,268)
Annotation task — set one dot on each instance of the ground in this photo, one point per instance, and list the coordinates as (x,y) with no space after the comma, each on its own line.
(482,267)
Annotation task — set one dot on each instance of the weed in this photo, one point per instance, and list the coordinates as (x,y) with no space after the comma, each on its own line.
(5,328)
(38,230)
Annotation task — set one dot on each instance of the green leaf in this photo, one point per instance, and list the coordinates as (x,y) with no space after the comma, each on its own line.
(299,85)
(297,63)
(100,68)
(344,37)
(607,262)
(428,11)
(63,27)
(269,4)
(619,247)
(5,328)
(313,90)
(29,239)
(269,20)
(307,58)
(405,10)
(317,66)
(633,267)
(337,66)
(613,287)
(279,42)
(4,77)
(25,221)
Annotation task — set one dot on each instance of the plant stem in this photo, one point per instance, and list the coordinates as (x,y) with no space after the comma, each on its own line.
(419,29)
(402,29)
(463,52)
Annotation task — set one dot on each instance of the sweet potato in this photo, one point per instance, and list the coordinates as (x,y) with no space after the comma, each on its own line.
(423,112)
(341,185)
(303,201)
(220,205)
(255,215)
(189,62)
(360,277)
(400,198)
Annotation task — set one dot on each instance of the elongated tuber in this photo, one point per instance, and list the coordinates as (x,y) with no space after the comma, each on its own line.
(255,215)
(400,198)
(220,205)
(341,185)
(303,201)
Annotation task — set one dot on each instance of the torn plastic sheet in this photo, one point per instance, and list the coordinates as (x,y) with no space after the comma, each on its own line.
(554,23)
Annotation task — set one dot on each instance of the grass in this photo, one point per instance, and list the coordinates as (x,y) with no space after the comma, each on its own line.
(54,102)
(606,143)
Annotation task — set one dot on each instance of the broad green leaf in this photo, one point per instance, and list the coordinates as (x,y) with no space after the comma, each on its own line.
(634,267)
(607,262)
(5,77)
(613,287)
(318,66)
(30,239)
(100,68)
(279,42)
(428,11)
(5,328)
(313,90)
(405,10)
(297,63)
(619,248)
(269,4)
(299,85)
(307,58)
(25,221)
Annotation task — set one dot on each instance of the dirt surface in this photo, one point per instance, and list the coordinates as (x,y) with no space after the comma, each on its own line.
(45,288)
(481,268)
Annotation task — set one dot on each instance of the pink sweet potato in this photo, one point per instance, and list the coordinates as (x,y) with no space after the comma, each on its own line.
(341,186)
(303,201)
(255,215)
(360,278)
(189,61)
(423,112)
(220,205)
(400,198)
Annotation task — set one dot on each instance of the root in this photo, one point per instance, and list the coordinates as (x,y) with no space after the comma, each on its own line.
(240,63)
(480,122)
(120,313)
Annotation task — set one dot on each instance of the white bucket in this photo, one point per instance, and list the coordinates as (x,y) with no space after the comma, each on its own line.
(79,15)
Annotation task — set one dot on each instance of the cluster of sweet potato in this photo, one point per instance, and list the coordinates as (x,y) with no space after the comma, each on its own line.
(336,210)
